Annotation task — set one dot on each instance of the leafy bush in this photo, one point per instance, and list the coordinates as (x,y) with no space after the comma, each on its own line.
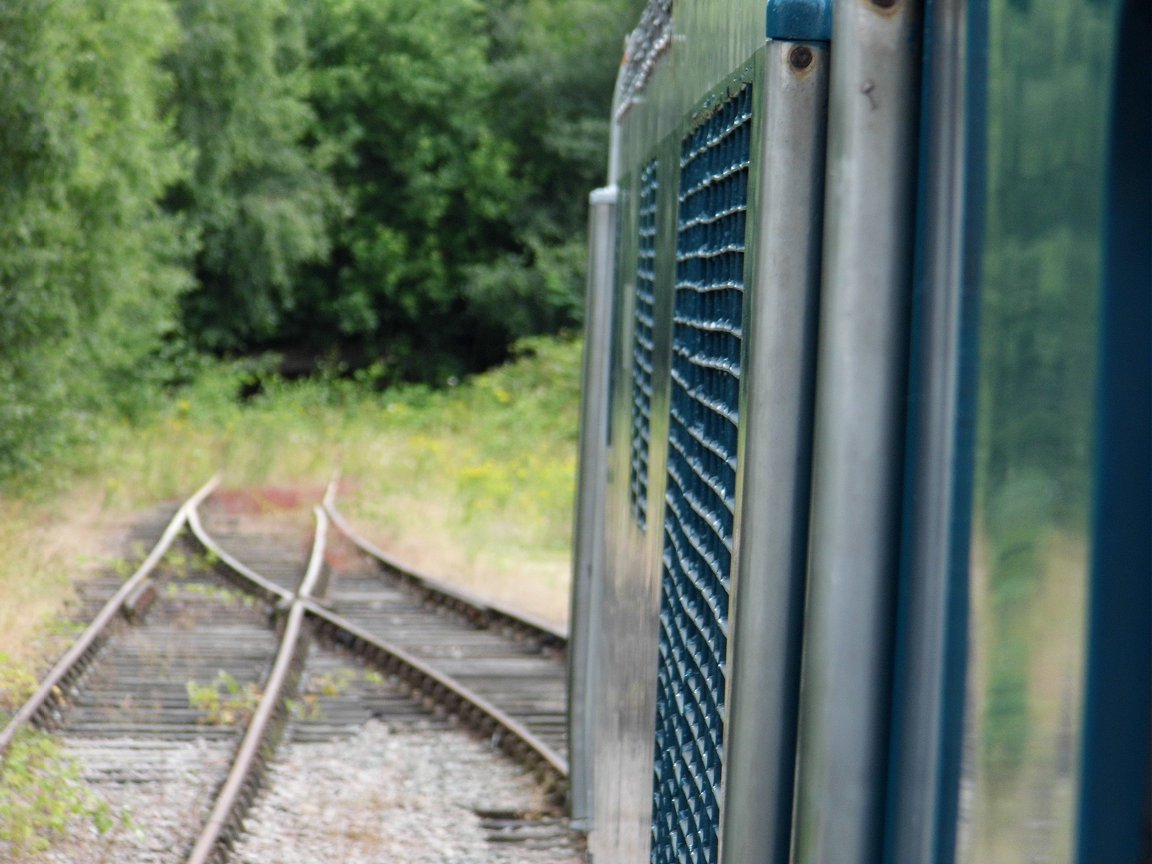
(224,701)
(41,793)
(90,265)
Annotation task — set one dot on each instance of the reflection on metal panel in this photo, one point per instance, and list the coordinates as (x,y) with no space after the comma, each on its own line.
(700,497)
(643,333)
(929,669)
(1037,259)
(858,442)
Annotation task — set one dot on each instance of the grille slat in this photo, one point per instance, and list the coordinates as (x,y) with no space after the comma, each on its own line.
(642,344)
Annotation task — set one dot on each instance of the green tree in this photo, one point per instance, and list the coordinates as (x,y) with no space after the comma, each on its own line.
(90,265)
(256,196)
(555,65)
(402,93)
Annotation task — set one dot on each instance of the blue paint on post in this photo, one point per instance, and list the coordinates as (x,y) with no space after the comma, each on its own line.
(800,20)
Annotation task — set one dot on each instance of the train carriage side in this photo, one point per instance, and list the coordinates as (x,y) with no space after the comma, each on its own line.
(863,567)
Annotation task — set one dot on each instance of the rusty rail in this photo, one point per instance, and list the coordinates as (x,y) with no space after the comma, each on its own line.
(513,737)
(232,568)
(479,610)
(77,658)
(240,788)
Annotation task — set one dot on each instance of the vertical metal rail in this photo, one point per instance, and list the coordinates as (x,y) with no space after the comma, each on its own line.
(928,705)
(859,426)
(768,592)
(588,564)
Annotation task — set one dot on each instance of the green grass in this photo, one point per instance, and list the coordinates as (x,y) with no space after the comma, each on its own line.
(42,795)
(473,483)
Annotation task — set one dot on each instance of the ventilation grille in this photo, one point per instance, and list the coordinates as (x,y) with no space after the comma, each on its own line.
(642,334)
(699,503)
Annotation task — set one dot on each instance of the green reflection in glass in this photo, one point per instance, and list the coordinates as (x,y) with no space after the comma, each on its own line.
(1048,93)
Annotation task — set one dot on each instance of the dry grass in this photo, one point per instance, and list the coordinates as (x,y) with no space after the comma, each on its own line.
(473,485)
(48,546)
(435,536)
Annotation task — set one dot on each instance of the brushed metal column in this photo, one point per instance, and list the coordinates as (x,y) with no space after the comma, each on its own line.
(859,429)
(588,554)
(768,590)
(930,655)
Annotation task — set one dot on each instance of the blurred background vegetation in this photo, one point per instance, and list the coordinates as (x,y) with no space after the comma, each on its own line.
(280,237)
(383,191)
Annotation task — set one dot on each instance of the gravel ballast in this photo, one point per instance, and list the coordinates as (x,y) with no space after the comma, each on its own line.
(406,795)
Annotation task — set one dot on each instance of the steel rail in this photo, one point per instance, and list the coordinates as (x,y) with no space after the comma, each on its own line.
(240,787)
(77,657)
(479,610)
(517,740)
(231,566)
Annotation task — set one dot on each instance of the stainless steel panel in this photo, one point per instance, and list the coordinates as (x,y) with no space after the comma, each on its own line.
(768,586)
(588,553)
(702,487)
(625,706)
(857,463)
(711,45)
(716,41)
(708,42)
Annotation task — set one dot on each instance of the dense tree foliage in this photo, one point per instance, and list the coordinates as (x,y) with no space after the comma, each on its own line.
(383,183)
(255,196)
(555,64)
(464,137)
(402,93)
(89,262)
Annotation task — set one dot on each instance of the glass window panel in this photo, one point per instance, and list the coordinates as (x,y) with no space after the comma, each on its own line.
(1044,141)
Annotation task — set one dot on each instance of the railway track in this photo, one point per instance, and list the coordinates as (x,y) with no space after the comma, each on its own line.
(246,633)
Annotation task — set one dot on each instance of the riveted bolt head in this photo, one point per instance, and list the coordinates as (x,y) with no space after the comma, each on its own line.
(800,57)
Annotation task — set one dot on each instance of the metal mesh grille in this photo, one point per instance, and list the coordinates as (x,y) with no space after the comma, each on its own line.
(642,335)
(701,484)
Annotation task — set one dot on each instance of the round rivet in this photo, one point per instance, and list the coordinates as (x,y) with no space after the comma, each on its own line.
(800,57)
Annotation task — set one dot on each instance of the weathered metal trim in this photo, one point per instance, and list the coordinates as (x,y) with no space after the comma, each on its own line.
(799,20)
(927,734)
(859,431)
(588,559)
